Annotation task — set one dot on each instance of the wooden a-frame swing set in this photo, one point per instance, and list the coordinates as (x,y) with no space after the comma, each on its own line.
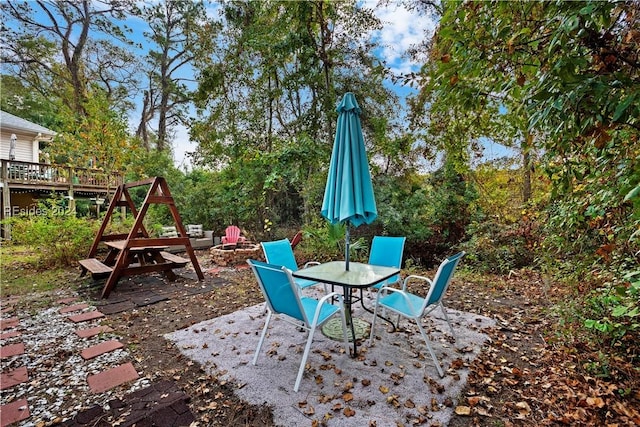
(136,252)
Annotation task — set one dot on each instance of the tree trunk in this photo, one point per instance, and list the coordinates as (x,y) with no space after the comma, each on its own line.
(527,143)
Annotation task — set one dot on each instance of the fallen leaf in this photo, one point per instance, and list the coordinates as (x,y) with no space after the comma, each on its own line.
(348,412)
(457,364)
(482,411)
(473,401)
(523,408)
(597,402)
(384,389)
(463,410)
(393,400)
(347,397)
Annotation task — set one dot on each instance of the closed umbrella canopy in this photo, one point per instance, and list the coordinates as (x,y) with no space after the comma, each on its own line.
(348,195)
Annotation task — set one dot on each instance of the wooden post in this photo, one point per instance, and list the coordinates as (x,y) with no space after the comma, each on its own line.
(72,201)
(6,199)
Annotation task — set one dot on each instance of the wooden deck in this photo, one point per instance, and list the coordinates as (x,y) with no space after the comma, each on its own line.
(50,177)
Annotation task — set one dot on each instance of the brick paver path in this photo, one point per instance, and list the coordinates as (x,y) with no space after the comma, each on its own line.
(13,412)
(112,378)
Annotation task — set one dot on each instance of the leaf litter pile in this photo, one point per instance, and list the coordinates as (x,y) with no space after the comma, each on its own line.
(526,375)
(529,374)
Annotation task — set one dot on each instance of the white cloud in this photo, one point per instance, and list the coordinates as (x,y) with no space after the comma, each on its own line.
(181,145)
(401,30)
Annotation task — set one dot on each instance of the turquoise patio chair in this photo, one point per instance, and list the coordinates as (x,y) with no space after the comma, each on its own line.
(283,300)
(414,307)
(386,251)
(280,252)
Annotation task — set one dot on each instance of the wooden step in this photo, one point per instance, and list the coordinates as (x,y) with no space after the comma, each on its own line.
(95,266)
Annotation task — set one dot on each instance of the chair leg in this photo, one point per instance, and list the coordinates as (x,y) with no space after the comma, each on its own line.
(264,334)
(446,317)
(304,359)
(426,341)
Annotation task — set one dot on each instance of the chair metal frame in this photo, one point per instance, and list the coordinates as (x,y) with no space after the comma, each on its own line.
(414,307)
(284,301)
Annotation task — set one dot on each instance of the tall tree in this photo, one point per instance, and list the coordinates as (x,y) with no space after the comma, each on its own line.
(279,72)
(177,38)
(475,80)
(570,73)
(56,48)
(271,90)
(99,139)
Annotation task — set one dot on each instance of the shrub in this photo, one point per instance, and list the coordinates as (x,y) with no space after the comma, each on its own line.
(324,242)
(497,248)
(55,233)
(613,312)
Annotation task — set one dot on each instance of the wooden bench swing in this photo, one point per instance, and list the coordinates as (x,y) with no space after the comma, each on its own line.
(137,253)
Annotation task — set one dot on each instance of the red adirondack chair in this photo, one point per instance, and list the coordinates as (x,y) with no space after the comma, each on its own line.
(232,236)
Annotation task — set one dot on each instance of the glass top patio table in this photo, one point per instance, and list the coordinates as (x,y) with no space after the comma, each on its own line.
(359,276)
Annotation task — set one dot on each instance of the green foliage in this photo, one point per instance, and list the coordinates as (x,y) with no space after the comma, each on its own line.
(613,311)
(18,100)
(495,247)
(326,242)
(58,236)
(499,186)
(432,210)
(566,73)
(99,138)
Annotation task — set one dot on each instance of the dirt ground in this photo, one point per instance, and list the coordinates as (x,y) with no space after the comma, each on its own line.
(527,375)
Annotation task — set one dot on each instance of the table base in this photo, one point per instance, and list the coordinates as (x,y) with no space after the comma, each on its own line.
(333,329)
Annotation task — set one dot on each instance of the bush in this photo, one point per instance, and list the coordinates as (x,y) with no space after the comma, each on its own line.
(613,313)
(56,234)
(497,248)
(325,242)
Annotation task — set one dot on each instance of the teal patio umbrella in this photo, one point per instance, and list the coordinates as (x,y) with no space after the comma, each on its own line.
(348,195)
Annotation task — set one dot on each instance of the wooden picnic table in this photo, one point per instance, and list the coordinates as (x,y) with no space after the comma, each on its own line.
(130,261)
(135,252)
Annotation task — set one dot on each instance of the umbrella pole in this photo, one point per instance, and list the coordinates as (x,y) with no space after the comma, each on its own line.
(346,250)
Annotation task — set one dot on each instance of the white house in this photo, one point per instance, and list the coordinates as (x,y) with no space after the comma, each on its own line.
(27,135)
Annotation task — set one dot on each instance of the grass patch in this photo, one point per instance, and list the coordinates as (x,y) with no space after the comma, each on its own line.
(20,273)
